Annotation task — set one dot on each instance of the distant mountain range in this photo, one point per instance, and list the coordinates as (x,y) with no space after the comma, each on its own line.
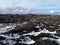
(23,10)
(14,10)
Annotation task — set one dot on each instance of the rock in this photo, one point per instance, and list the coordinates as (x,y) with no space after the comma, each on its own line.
(19,44)
(40,25)
(55,43)
(51,28)
(44,42)
(2,38)
(1,43)
(45,35)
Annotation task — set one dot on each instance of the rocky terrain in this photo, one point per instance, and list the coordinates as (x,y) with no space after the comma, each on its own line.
(29,30)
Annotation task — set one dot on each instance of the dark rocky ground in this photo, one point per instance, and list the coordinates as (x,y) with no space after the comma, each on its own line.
(26,24)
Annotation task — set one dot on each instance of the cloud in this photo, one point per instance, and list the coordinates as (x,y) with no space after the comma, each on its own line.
(30,3)
(34,5)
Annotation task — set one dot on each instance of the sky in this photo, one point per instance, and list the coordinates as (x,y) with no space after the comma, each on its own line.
(35,4)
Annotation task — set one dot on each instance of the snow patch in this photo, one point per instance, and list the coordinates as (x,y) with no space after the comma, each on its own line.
(15,36)
(41,31)
(6,28)
(27,40)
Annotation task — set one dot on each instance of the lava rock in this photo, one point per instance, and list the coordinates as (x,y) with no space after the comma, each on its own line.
(44,42)
(19,44)
(51,28)
(2,38)
(1,43)
(58,30)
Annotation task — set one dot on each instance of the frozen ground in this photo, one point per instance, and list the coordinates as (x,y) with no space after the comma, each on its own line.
(30,36)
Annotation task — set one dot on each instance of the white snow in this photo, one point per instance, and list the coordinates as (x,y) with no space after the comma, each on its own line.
(46,31)
(45,38)
(27,40)
(41,31)
(15,36)
(6,28)
(37,26)
(57,40)
(58,25)
(32,33)
(24,23)
(10,42)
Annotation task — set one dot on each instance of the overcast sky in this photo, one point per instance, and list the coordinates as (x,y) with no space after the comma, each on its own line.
(38,4)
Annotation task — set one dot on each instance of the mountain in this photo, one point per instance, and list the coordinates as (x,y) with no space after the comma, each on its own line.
(15,10)
(24,10)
